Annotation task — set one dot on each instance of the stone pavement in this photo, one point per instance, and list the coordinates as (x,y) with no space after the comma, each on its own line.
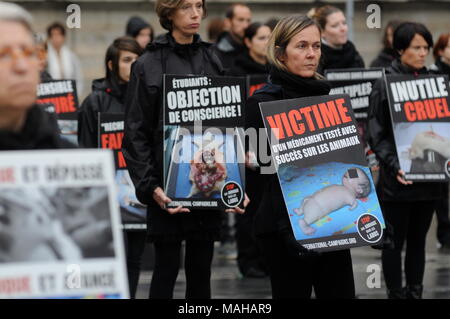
(227,283)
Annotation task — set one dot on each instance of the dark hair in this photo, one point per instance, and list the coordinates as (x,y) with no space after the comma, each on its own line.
(215,28)
(321,14)
(165,8)
(252,29)
(393,24)
(406,31)
(56,26)
(441,43)
(230,10)
(272,23)
(135,25)
(113,54)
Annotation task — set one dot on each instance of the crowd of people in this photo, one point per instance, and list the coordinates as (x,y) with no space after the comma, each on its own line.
(293,52)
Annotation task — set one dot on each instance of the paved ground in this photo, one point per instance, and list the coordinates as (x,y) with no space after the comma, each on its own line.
(228,283)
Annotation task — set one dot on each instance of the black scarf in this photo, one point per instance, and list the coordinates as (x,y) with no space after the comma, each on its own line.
(295,86)
(342,58)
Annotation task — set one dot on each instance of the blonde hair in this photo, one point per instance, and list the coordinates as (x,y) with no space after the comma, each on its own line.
(284,31)
(165,8)
(321,14)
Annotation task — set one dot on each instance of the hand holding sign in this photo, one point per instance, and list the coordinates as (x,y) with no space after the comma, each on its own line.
(160,197)
(237,209)
(401,178)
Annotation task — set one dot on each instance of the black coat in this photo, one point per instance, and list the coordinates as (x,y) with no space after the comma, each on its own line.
(344,58)
(142,144)
(40,132)
(245,65)
(228,50)
(440,67)
(381,139)
(104,98)
(384,59)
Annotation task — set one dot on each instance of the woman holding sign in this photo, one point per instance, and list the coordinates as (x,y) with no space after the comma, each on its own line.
(406,206)
(294,53)
(179,51)
(107,96)
(441,53)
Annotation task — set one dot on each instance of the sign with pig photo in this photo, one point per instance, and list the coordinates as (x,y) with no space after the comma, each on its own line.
(203,141)
(326,184)
(420,114)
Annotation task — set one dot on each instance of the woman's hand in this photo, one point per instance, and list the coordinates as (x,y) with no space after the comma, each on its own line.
(160,197)
(401,178)
(250,160)
(237,209)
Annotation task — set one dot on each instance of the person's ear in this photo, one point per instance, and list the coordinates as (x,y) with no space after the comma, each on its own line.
(279,54)
(110,65)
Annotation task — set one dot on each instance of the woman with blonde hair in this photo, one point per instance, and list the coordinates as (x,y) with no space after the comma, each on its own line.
(337,51)
(294,52)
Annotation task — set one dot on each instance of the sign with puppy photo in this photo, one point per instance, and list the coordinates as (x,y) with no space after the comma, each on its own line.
(203,141)
(420,114)
(327,187)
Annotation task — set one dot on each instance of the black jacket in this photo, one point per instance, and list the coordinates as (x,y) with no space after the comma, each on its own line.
(381,139)
(245,65)
(344,58)
(142,144)
(384,59)
(227,49)
(272,216)
(40,131)
(440,67)
(105,98)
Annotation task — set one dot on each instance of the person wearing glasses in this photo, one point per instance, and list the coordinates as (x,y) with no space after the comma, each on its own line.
(23,124)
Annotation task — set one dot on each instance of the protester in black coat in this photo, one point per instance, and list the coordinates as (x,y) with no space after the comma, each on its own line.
(105,98)
(293,270)
(180,51)
(254,62)
(407,206)
(230,44)
(388,54)
(108,95)
(337,51)
(441,53)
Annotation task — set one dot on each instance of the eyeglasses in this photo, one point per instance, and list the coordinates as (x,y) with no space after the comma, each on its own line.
(8,54)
